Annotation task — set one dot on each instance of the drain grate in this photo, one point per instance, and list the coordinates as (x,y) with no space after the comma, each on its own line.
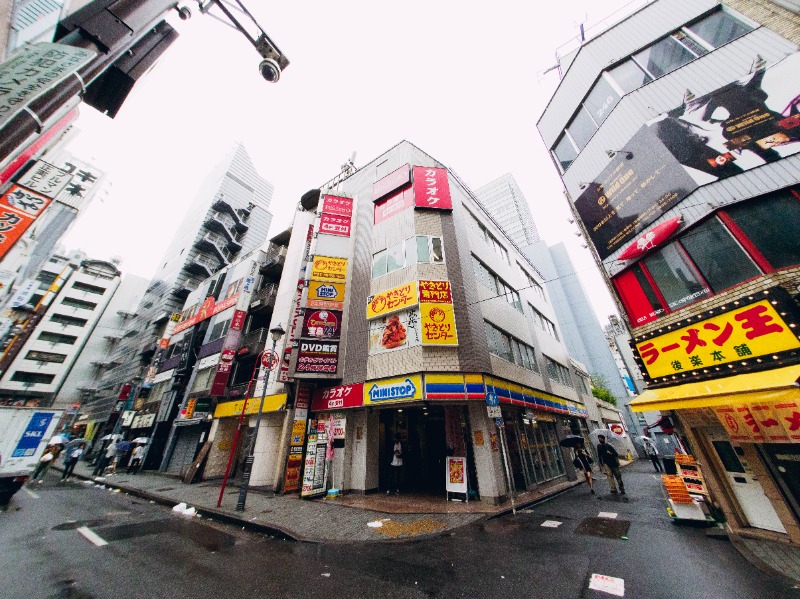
(609,528)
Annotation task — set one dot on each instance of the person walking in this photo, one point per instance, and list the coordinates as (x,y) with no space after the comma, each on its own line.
(107,456)
(396,467)
(583,461)
(609,462)
(72,457)
(652,452)
(135,462)
(48,457)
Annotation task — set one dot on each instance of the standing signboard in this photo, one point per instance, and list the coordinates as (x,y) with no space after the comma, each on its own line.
(456,472)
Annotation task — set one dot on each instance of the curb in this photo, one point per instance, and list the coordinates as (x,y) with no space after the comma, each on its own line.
(759,563)
(209,513)
(533,502)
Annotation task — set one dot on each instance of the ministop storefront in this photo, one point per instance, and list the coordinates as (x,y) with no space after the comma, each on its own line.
(439,418)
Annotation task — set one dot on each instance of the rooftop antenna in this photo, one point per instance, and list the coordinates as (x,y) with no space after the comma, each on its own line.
(350,166)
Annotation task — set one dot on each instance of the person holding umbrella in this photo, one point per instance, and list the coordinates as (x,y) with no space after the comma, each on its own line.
(135,463)
(609,462)
(583,461)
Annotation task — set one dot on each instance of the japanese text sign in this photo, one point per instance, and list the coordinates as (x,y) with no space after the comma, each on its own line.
(394,204)
(326,291)
(325,268)
(46,179)
(322,324)
(318,357)
(334,225)
(395,179)
(438,324)
(16,216)
(435,292)
(431,188)
(392,300)
(745,333)
(343,396)
(337,205)
(25,201)
(207,309)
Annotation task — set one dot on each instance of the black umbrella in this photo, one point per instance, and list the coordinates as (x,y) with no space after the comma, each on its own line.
(572,441)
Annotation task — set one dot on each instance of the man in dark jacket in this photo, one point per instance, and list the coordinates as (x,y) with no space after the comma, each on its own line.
(609,462)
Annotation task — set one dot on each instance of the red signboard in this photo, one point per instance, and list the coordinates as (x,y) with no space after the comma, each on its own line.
(651,238)
(334,398)
(390,182)
(237,322)
(334,225)
(23,200)
(435,292)
(337,205)
(322,324)
(18,209)
(12,225)
(318,357)
(432,188)
(207,309)
(392,205)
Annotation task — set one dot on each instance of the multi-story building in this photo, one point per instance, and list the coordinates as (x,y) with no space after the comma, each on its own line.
(505,202)
(67,300)
(228,218)
(400,304)
(676,132)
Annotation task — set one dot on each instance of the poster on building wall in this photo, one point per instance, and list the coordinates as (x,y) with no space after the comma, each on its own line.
(397,331)
(315,464)
(432,188)
(294,460)
(322,324)
(737,337)
(13,222)
(337,205)
(437,317)
(398,298)
(319,357)
(328,268)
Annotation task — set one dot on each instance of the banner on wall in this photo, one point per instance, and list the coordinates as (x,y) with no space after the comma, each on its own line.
(318,357)
(336,398)
(393,390)
(398,331)
(333,224)
(743,125)
(322,324)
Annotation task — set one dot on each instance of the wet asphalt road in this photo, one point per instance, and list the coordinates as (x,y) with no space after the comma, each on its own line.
(52,547)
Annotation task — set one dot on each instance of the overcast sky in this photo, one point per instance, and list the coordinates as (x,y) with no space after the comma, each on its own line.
(460,79)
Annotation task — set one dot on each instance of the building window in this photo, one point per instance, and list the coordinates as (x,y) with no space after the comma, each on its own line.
(581,127)
(490,239)
(719,28)
(43,356)
(420,249)
(511,349)
(32,377)
(496,284)
(76,303)
(220,330)
(203,379)
(638,296)
(88,288)
(55,338)
(663,57)
(543,322)
(68,320)
(629,76)
(565,152)
(46,277)
(757,219)
(676,277)
(601,100)
(558,372)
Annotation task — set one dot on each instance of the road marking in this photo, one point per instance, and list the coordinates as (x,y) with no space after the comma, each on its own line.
(92,536)
(31,493)
(607,515)
(608,584)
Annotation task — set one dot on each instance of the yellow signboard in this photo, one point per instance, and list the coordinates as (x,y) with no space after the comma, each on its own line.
(402,388)
(438,324)
(272,403)
(326,291)
(391,300)
(325,268)
(741,334)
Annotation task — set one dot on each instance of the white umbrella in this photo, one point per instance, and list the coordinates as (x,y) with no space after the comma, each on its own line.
(112,436)
(141,440)
(58,440)
(612,438)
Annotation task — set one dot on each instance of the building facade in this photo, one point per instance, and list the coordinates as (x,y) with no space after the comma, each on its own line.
(676,133)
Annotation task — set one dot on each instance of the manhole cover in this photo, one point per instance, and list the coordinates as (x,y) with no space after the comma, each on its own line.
(610,528)
(78,523)
(165,489)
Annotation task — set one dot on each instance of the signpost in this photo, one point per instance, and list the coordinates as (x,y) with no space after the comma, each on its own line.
(493,407)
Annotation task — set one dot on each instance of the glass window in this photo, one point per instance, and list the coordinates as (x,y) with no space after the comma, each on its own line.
(565,152)
(676,277)
(719,28)
(437,252)
(515,350)
(629,76)
(531,359)
(581,127)
(601,100)
(411,250)
(43,356)
(484,275)
(423,249)
(663,57)
(379,264)
(395,258)
(690,43)
(772,223)
(718,256)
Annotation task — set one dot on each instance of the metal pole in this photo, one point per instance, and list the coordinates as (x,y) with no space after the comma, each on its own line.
(248,462)
(509,477)
(235,443)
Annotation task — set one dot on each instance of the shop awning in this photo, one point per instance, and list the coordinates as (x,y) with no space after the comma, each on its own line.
(779,384)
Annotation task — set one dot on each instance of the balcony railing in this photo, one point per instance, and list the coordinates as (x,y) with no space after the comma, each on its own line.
(202,264)
(217,244)
(265,298)
(253,342)
(221,205)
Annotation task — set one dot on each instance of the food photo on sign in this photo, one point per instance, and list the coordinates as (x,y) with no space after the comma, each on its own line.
(397,331)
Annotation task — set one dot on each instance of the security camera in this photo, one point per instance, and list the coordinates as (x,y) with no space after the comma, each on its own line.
(270,70)
(184,13)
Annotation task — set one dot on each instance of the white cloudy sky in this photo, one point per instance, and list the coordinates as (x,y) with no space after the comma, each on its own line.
(460,79)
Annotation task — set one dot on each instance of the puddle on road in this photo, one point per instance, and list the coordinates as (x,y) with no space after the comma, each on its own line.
(604,527)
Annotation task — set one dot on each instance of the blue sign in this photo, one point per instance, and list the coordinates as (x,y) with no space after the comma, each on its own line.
(492,400)
(33,435)
(403,390)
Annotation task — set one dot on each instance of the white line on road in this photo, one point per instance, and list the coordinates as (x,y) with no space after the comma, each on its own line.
(607,515)
(31,493)
(92,536)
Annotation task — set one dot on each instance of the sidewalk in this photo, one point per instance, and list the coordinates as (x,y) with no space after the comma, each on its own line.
(352,517)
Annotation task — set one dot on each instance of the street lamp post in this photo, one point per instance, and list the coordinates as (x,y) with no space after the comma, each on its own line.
(276,332)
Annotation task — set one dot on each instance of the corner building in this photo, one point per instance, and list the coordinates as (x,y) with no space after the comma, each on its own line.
(414,308)
(676,132)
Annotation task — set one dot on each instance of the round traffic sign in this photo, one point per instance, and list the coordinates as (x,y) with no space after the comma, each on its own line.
(269,360)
